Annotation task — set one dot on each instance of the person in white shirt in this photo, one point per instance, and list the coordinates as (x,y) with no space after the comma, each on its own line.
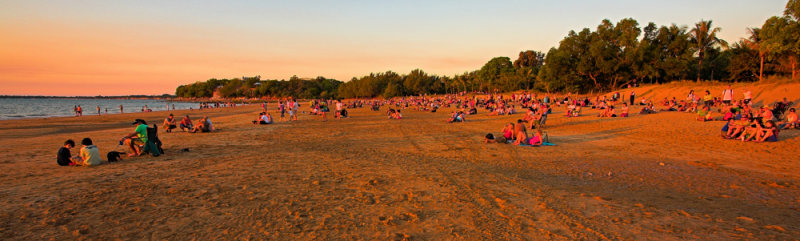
(727,95)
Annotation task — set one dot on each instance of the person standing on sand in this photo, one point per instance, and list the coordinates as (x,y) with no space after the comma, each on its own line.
(633,96)
(295,108)
(80,110)
(98,110)
(748,96)
(282,109)
(120,109)
(727,95)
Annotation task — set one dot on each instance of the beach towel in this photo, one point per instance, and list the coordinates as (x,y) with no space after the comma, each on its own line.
(543,144)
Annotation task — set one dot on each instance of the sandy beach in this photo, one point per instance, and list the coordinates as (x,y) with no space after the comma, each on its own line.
(662,176)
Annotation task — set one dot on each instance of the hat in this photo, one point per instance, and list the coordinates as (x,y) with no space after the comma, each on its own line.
(137,121)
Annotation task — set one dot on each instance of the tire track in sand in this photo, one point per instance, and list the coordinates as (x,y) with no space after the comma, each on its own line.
(567,216)
(486,214)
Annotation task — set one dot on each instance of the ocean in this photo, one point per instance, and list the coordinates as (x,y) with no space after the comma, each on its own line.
(20,108)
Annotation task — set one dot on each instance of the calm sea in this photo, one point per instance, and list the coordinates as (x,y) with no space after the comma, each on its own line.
(18,108)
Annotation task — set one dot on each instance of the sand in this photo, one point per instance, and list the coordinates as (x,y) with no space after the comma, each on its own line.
(647,177)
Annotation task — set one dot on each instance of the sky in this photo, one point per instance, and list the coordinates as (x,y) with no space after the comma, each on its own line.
(109,47)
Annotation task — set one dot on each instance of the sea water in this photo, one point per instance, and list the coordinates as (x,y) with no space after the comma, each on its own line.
(19,108)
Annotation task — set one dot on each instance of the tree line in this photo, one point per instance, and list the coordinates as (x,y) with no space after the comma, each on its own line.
(608,57)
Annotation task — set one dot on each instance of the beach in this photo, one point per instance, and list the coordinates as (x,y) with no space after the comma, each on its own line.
(662,176)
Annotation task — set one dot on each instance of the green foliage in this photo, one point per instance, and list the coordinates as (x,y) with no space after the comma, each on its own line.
(744,65)
(606,58)
(254,87)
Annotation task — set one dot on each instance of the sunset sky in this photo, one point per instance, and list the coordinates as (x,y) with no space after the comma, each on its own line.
(77,47)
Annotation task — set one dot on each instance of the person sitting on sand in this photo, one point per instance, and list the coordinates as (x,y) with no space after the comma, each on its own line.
(203,125)
(186,124)
(766,114)
(453,117)
(489,138)
(704,114)
(791,120)
(519,128)
(521,136)
(648,109)
(263,119)
(508,131)
(169,123)
(136,139)
(536,138)
(64,157)
(736,128)
(89,155)
(605,113)
(624,110)
(767,133)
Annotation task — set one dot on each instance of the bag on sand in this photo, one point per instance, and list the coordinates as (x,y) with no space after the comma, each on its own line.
(114,156)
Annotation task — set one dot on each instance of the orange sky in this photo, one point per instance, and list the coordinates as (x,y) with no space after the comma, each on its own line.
(68,48)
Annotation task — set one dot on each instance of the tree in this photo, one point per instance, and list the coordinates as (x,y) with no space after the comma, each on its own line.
(492,71)
(780,37)
(704,37)
(754,42)
(793,9)
(742,67)
(528,65)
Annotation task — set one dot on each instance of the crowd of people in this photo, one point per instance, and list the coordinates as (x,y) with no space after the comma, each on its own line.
(743,121)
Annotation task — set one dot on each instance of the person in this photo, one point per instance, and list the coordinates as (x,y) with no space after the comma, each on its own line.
(203,125)
(708,98)
(120,109)
(186,123)
(624,110)
(136,139)
(748,97)
(704,114)
(536,139)
(339,109)
(169,123)
(323,108)
(633,96)
(80,110)
(282,108)
(98,110)
(263,119)
(489,138)
(727,95)
(64,157)
(767,133)
(791,120)
(521,135)
(295,108)
(508,131)
(89,155)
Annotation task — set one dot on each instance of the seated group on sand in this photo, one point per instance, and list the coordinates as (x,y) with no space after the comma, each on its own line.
(517,134)
(264,118)
(143,140)
(203,125)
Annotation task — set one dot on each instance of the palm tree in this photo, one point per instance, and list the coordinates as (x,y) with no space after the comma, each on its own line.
(754,42)
(705,37)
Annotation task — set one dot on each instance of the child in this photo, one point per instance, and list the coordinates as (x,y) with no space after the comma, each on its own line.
(64,157)
(489,138)
(89,155)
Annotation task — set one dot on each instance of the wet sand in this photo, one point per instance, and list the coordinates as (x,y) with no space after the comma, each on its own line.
(663,176)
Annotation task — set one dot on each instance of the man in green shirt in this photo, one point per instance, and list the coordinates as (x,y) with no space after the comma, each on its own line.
(137,139)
